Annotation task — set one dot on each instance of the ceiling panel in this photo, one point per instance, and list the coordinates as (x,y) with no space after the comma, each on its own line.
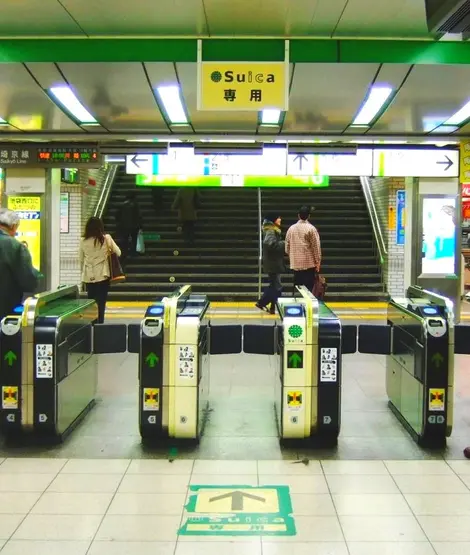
(35,18)
(139,17)
(326,97)
(117,94)
(211,121)
(430,95)
(398,18)
(25,105)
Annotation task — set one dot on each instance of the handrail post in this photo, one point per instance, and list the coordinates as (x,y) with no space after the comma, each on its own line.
(260,243)
(379,239)
(105,191)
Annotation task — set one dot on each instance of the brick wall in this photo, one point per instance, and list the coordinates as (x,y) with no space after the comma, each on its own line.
(384,192)
(83,198)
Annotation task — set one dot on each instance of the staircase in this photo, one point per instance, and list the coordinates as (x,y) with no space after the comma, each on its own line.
(224,261)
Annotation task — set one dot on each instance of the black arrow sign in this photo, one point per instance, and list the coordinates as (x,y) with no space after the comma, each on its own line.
(136,160)
(447,162)
(300,158)
(237,498)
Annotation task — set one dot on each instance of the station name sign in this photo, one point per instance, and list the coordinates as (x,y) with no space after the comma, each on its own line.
(17,155)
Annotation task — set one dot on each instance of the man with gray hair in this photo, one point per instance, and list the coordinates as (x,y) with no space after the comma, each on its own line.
(17,275)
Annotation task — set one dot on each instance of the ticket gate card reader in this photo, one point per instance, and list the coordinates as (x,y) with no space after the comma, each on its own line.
(420,367)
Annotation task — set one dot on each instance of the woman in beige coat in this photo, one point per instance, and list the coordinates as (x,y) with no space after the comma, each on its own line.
(95,249)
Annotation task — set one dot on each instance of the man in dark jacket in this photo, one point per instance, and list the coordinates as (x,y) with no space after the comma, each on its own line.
(187,203)
(16,268)
(273,262)
(129,222)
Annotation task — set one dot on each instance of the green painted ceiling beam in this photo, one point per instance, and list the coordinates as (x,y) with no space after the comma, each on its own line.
(185,50)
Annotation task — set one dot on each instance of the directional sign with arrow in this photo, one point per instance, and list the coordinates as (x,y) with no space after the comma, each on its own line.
(237,498)
(300,159)
(10,358)
(295,359)
(139,164)
(447,163)
(152,360)
(437,359)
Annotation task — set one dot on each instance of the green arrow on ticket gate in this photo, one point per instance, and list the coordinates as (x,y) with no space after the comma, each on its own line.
(152,360)
(437,359)
(10,357)
(295,359)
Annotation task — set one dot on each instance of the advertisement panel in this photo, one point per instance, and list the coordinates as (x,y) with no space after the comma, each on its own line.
(439,235)
(400,215)
(29,232)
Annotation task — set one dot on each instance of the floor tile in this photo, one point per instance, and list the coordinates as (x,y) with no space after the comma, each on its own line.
(312,504)
(32,466)
(297,484)
(430,484)
(25,482)
(446,528)
(434,504)
(8,524)
(452,548)
(252,547)
(390,548)
(96,466)
(361,484)
(465,479)
(381,529)
(418,467)
(460,467)
(159,466)
(371,504)
(293,468)
(369,468)
(61,527)
(225,467)
(311,529)
(72,504)
(131,548)
(18,502)
(224,480)
(148,504)
(128,528)
(311,548)
(153,483)
(20,547)
(85,483)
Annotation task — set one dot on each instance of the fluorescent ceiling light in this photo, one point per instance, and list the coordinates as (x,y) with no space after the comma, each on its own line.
(445,129)
(270,117)
(378,96)
(170,97)
(460,116)
(65,96)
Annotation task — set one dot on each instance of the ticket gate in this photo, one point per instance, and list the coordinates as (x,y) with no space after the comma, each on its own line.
(419,343)
(177,339)
(48,372)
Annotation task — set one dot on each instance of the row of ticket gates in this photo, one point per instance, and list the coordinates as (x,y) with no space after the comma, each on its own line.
(49,364)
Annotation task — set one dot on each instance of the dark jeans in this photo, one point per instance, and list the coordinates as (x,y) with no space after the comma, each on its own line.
(127,242)
(98,291)
(272,292)
(188,231)
(306,278)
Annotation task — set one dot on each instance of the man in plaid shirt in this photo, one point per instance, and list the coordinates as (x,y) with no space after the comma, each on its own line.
(304,250)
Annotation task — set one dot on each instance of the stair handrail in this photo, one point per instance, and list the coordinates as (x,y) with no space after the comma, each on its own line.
(260,243)
(374,218)
(105,190)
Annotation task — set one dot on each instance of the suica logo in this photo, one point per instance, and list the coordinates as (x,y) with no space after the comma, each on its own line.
(247,77)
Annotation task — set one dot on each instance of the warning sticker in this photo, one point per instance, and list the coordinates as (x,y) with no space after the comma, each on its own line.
(187,355)
(44,364)
(328,364)
(9,397)
(294,400)
(437,398)
(151,399)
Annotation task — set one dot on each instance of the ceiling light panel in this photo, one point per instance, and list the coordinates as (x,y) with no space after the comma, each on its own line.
(375,101)
(68,100)
(172,103)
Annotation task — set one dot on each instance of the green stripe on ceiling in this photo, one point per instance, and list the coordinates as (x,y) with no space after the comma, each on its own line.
(185,50)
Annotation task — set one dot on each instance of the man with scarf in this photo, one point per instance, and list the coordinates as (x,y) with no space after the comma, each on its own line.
(273,262)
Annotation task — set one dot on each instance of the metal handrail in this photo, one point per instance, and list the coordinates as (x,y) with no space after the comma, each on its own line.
(260,243)
(105,190)
(379,239)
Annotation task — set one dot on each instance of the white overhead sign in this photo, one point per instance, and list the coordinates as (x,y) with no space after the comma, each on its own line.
(275,161)
(347,165)
(416,163)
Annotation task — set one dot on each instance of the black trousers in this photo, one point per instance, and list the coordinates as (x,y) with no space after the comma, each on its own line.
(127,241)
(272,292)
(306,278)
(189,228)
(98,291)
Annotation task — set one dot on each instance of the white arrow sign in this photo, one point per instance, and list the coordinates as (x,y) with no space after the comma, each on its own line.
(42,418)
(348,165)
(327,420)
(139,164)
(152,419)
(416,163)
(10,417)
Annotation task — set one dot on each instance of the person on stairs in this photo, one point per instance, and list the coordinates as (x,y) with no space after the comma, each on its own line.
(273,262)
(128,225)
(187,203)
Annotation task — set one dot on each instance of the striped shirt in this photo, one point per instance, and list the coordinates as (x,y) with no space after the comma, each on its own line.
(303,246)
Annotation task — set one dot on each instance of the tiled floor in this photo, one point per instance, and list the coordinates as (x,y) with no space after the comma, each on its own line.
(135,507)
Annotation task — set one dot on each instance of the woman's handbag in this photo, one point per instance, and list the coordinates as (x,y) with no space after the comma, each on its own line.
(319,287)
(116,273)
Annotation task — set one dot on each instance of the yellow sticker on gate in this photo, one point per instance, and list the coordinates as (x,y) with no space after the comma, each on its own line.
(9,397)
(294,400)
(437,399)
(151,401)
